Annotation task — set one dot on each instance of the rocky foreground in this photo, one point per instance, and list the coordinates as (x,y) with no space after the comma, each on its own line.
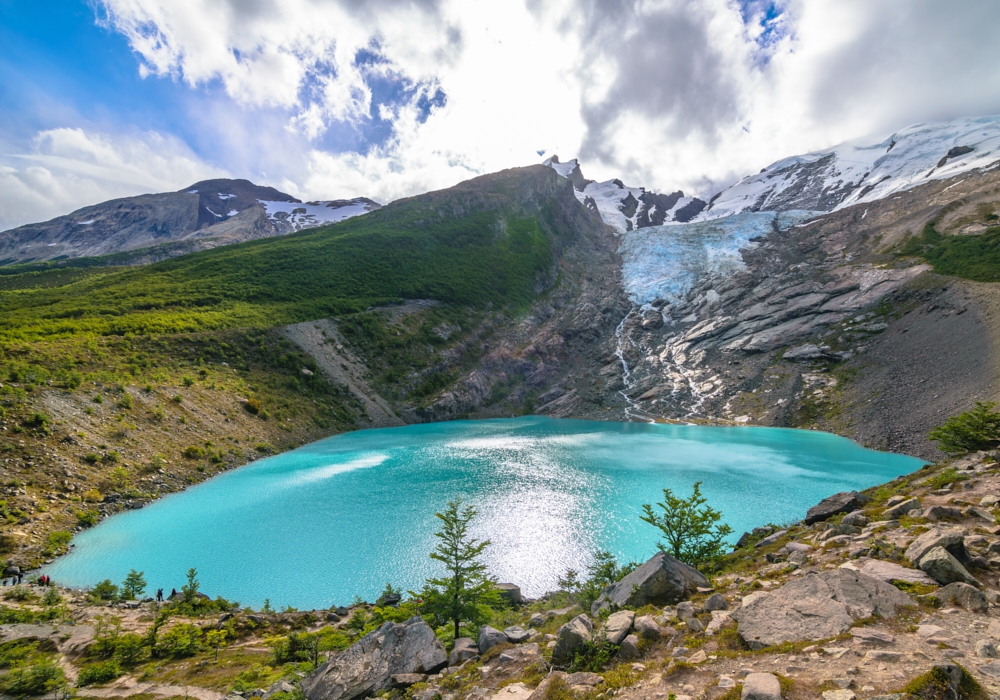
(877,594)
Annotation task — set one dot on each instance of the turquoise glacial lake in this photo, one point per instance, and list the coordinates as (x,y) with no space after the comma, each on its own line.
(339,518)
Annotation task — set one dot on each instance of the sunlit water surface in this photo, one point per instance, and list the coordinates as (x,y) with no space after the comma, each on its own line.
(341,517)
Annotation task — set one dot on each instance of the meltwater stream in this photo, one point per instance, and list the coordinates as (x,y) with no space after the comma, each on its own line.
(340,517)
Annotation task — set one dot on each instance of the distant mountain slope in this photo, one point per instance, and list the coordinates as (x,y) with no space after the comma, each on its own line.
(205,215)
(864,170)
(627,208)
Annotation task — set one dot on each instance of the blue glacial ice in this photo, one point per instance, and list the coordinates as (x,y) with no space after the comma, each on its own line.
(666,262)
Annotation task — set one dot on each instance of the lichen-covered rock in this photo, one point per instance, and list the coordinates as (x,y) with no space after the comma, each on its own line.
(816,606)
(646,627)
(660,581)
(517,635)
(952,540)
(940,565)
(964,595)
(716,601)
(465,648)
(629,649)
(367,667)
(900,509)
(570,637)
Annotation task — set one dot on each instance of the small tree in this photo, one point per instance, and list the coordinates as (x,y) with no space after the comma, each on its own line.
(190,589)
(134,585)
(977,429)
(216,639)
(465,593)
(690,527)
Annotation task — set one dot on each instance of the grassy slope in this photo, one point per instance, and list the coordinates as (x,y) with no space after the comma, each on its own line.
(109,375)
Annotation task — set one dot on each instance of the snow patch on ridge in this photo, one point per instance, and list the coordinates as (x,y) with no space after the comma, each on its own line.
(310,214)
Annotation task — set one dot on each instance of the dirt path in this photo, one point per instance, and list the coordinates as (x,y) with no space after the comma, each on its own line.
(127,686)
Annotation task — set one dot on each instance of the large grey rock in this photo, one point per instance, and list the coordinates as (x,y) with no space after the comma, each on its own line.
(510,593)
(900,509)
(761,686)
(465,648)
(817,606)
(517,635)
(940,565)
(646,627)
(964,595)
(618,625)
(716,601)
(279,687)
(720,620)
(367,667)
(570,637)
(685,610)
(660,581)
(842,502)
(489,638)
(629,648)
(889,572)
(951,540)
(856,518)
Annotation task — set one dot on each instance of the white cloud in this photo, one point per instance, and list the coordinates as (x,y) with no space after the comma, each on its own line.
(70,168)
(663,93)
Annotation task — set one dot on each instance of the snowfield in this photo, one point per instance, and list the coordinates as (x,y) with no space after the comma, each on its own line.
(310,214)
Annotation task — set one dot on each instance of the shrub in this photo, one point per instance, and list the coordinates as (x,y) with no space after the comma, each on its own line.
(104,591)
(134,585)
(103,672)
(37,679)
(51,597)
(92,458)
(601,573)
(690,527)
(592,656)
(20,594)
(194,452)
(87,518)
(92,496)
(976,429)
(936,685)
(188,381)
(252,406)
(125,401)
(130,648)
(945,477)
(179,642)
(57,541)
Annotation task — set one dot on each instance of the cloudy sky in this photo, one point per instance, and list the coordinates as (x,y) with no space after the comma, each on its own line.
(387,98)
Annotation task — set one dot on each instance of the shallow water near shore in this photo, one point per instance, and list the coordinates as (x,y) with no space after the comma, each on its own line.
(340,517)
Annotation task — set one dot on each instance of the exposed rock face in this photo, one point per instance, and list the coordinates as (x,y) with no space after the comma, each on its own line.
(716,601)
(660,581)
(510,592)
(842,502)
(205,215)
(368,666)
(571,636)
(889,572)
(817,606)
(516,635)
(900,509)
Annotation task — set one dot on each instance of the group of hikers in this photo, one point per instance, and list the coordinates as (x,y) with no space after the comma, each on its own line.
(16,579)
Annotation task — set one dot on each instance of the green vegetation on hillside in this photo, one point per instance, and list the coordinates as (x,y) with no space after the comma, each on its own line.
(395,253)
(976,429)
(971,257)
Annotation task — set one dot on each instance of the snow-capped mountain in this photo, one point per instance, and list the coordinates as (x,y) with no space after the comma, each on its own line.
(864,170)
(205,215)
(627,208)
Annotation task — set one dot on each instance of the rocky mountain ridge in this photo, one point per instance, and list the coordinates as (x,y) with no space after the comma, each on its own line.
(205,215)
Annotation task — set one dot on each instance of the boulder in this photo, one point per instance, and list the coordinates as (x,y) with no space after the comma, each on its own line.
(842,502)
(629,648)
(720,620)
(583,678)
(856,518)
(985,649)
(536,620)
(660,581)
(941,513)
(402,681)
(771,539)
(571,636)
(694,624)
(951,540)
(489,638)
(820,605)
(465,648)
(761,686)
(279,687)
(367,667)
(510,593)
(716,601)
(517,635)
(889,572)
(618,626)
(897,510)
(964,595)
(940,565)
(685,610)
(646,627)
